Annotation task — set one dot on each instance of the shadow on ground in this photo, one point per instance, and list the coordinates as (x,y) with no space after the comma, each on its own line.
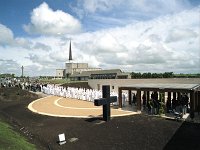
(186,137)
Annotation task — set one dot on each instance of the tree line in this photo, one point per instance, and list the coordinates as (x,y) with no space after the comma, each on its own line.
(135,75)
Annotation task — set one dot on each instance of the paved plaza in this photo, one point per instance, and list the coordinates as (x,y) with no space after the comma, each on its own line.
(67,107)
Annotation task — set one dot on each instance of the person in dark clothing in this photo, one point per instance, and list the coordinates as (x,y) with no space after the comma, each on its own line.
(186,101)
(168,104)
(155,107)
(156,95)
(178,104)
(134,99)
(182,110)
(148,106)
(144,101)
(174,103)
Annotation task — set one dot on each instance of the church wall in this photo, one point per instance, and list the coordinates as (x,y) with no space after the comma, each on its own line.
(75,67)
(82,65)
(60,73)
(68,67)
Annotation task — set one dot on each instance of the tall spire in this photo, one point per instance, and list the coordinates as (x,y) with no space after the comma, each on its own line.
(70,51)
(22,71)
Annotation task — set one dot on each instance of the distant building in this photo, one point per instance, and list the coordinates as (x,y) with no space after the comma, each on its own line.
(82,72)
(100,74)
(73,68)
(77,68)
(60,73)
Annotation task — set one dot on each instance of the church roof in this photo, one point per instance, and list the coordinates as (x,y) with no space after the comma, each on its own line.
(89,73)
(167,87)
(117,71)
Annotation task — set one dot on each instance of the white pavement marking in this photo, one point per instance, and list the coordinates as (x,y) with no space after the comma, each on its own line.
(56,103)
(30,106)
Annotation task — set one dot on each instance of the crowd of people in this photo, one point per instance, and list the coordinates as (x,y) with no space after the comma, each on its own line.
(179,104)
(152,106)
(9,82)
(157,102)
(21,83)
(73,92)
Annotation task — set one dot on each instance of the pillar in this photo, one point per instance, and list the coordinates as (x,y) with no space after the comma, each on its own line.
(120,97)
(192,97)
(162,96)
(174,95)
(138,95)
(129,97)
(179,94)
(196,101)
(169,102)
(148,96)
(145,93)
(169,96)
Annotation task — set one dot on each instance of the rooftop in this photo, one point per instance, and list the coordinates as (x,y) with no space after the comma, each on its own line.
(166,87)
(88,73)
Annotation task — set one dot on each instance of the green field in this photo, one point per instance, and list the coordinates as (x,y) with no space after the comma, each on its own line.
(54,81)
(12,140)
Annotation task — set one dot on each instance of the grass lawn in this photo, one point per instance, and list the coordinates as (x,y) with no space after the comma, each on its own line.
(12,140)
(54,81)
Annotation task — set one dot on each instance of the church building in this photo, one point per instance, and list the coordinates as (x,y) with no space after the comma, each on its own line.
(82,72)
(72,68)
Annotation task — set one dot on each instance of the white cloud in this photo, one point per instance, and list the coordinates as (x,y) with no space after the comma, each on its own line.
(6,35)
(99,5)
(9,66)
(101,14)
(106,43)
(165,43)
(48,22)
(144,44)
(22,42)
(141,6)
(180,34)
(60,56)
(38,70)
(41,46)
(40,59)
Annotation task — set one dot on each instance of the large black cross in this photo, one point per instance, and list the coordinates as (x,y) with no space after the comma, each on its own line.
(105,101)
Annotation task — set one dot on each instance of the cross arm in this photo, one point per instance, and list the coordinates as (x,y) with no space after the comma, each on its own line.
(100,101)
(104,101)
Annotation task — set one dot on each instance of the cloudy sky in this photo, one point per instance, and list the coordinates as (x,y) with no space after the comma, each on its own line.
(132,35)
